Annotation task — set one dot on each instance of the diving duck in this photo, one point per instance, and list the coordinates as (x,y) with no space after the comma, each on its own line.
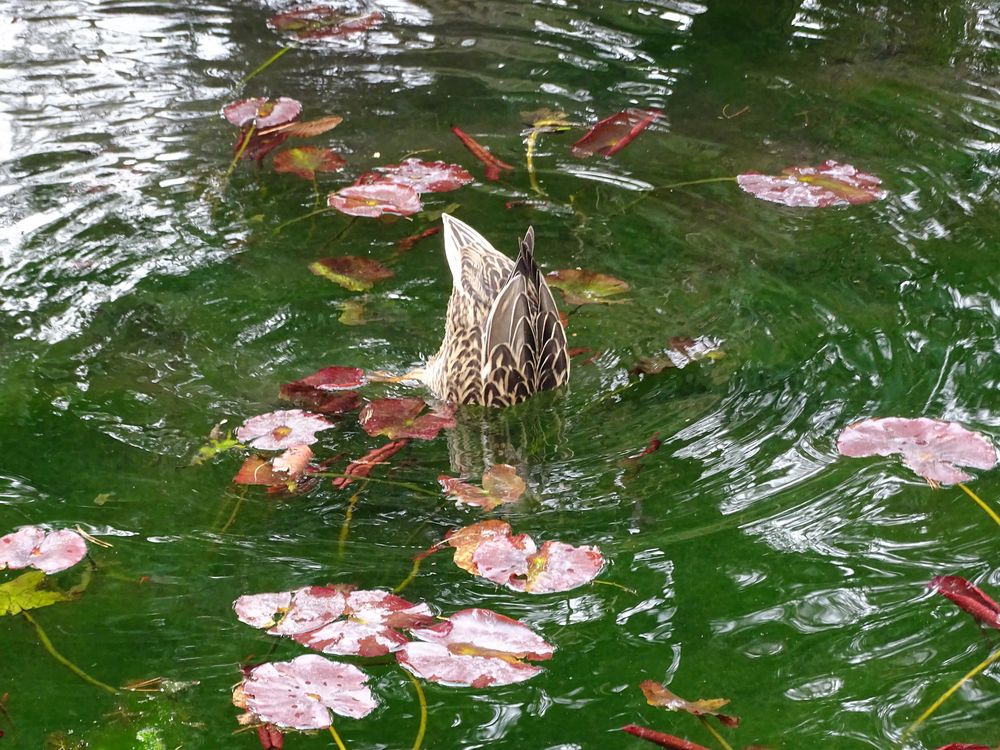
(503,340)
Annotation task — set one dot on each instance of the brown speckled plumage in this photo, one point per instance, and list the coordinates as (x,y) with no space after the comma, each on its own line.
(503,339)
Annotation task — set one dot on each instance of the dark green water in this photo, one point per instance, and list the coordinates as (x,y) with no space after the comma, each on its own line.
(139,306)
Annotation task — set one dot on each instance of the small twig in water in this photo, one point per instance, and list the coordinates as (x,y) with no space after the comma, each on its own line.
(715,733)
(62,659)
(266,64)
(981,503)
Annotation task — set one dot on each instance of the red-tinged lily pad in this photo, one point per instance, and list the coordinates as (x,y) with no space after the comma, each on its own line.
(306,161)
(351,272)
(281,473)
(51,552)
(264,113)
(372,201)
(318,392)
(658,695)
(422,176)
(319,21)
(475,648)
(558,566)
(493,165)
(280,430)
(581,287)
(969,598)
(362,467)
(931,448)
(402,418)
(614,133)
(661,738)
(301,693)
(830,184)
(501,484)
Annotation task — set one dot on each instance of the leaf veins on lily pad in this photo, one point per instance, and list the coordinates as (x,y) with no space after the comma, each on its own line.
(301,693)
(931,448)
(658,695)
(422,176)
(306,161)
(319,21)
(581,287)
(372,201)
(829,184)
(969,598)
(612,134)
(264,113)
(51,552)
(352,272)
(280,430)
(402,418)
(501,484)
(475,648)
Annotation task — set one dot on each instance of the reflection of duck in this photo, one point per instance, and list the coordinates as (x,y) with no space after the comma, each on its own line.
(503,339)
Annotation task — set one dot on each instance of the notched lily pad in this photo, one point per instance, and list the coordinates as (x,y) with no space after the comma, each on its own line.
(581,287)
(280,430)
(422,176)
(402,418)
(50,552)
(830,184)
(264,113)
(612,134)
(501,484)
(306,161)
(375,200)
(352,272)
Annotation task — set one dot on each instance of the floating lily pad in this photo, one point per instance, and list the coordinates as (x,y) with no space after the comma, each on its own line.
(30,546)
(493,165)
(614,133)
(501,484)
(280,430)
(830,184)
(659,695)
(401,417)
(334,378)
(968,597)
(422,176)
(931,448)
(264,113)
(301,693)
(372,201)
(362,467)
(26,592)
(319,21)
(351,272)
(580,287)
(475,648)
(306,161)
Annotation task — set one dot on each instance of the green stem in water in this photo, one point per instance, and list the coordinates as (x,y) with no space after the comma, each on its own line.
(62,659)
(715,733)
(687,183)
(948,693)
(617,586)
(266,64)
(981,503)
(422,699)
(346,526)
(413,574)
(232,516)
(239,153)
(336,739)
(405,485)
(297,219)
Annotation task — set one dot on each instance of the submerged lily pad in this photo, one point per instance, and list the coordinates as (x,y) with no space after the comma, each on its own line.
(422,176)
(362,467)
(264,113)
(301,693)
(351,272)
(931,448)
(581,287)
(683,351)
(830,184)
(30,546)
(306,161)
(372,201)
(280,430)
(26,592)
(612,134)
(402,418)
(319,21)
(659,695)
(501,484)
(475,648)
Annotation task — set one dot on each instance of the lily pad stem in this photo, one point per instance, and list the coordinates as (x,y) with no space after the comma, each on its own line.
(688,183)
(266,64)
(715,733)
(336,739)
(422,699)
(405,485)
(982,504)
(62,659)
(349,513)
(239,153)
(317,212)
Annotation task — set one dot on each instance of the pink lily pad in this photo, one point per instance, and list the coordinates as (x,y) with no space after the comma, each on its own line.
(581,287)
(931,448)
(614,133)
(280,472)
(830,184)
(319,392)
(319,21)
(306,161)
(501,484)
(475,648)
(372,201)
(30,546)
(558,566)
(280,430)
(351,272)
(301,693)
(402,418)
(422,176)
(264,113)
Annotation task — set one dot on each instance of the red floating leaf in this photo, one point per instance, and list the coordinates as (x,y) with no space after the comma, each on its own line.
(830,184)
(321,21)
(661,738)
(406,244)
(398,417)
(475,648)
(372,201)
(362,467)
(351,271)
(335,378)
(968,597)
(258,146)
(493,165)
(931,448)
(658,695)
(306,129)
(263,113)
(964,746)
(580,287)
(258,470)
(301,693)
(270,737)
(422,176)
(306,161)
(614,133)
(30,546)
(501,484)
(280,430)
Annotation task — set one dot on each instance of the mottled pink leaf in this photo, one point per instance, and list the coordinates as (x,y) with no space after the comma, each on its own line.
(422,176)
(969,598)
(264,113)
(931,448)
(486,630)
(372,201)
(501,484)
(17,546)
(559,567)
(830,184)
(614,133)
(306,161)
(319,21)
(280,430)
(50,553)
(401,417)
(443,666)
